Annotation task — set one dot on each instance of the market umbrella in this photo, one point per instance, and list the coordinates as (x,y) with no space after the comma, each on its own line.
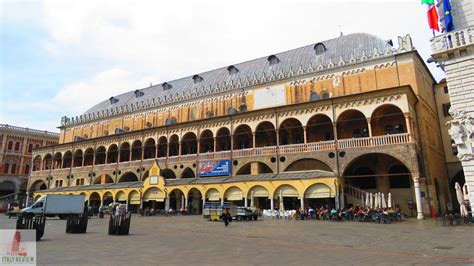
(384,204)
(460,197)
(282,206)
(252,202)
(376,199)
(336,200)
(341,200)
(389,200)
(367,200)
(362,200)
(182,202)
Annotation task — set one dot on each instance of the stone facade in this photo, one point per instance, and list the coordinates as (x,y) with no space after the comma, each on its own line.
(454,51)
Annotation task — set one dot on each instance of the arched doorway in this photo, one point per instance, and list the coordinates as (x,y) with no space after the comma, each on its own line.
(177,200)
(162,147)
(265,135)
(94,201)
(7,188)
(387,119)
(223,140)
(288,196)
(38,185)
(378,172)
(259,198)
(78,157)
(318,195)
(57,160)
(319,128)
(47,161)
(291,132)
(89,157)
(234,196)
(121,197)
(125,152)
(108,198)
(154,198)
(194,201)
(136,150)
(67,159)
(37,163)
(352,124)
(243,137)
(189,144)
(212,195)
(112,154)
(134,201)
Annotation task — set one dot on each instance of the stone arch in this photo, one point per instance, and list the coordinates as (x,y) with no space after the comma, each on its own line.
(167,173)
(100,154)
(77,158)
(291,132)
(317,191)
(287,195)
(223,139)
(308,164)
(37,163)
(176,197)
(286,191)
(103,179)
(213,194)
(263,168)
(234,193)
(189,144)
(149,149)
(153,193)
(107,198)
(47,161)
(124,152)
(243,137)
(120,196)
(57,160)
(194,199)
(89,157)
(162,147)
(67,159)
(206,141)
(173,149)
(265,135)
(134,197)
(387,119)
(94,196)
(136,150)
(7,187)
(319,128)
(352,124)
(112,153)
(128,177)
(37,185)
(188,173)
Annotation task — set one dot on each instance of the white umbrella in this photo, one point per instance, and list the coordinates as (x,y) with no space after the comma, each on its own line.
(367,200)
(252,202)
(384,204)
(389,200)
(182,202)
(362,200)
(341,200)
(371,200)
(376,199)
(460,197)
(282,206)
(336,200)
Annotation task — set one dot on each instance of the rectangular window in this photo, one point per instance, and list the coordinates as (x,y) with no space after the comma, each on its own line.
(446,107)
(446,91)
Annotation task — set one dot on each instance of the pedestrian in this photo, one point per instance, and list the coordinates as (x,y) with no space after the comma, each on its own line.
(226,217)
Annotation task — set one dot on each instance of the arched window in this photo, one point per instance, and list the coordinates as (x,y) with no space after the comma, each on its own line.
(10,145)
(30,148)
(6,168)
(27,169)
(13,170)
(17,146)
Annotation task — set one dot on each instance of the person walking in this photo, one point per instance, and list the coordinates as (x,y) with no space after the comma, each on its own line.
(226,217)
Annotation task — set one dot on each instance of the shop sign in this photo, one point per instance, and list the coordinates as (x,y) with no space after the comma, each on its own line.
(214,168)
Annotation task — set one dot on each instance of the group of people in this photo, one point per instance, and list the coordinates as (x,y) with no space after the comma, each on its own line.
(355,213)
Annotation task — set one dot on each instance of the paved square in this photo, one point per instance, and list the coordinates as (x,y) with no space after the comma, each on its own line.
(191,240)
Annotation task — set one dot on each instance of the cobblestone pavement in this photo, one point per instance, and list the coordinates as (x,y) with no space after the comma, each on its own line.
(191,240)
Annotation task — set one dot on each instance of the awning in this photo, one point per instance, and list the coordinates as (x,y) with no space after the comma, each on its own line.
(286,191)
(318,191)
(259,192)
(234,193)
(134,198)
(121,196)
(213,195)
(154,194)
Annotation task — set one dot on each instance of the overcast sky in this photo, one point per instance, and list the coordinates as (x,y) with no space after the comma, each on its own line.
(62,57)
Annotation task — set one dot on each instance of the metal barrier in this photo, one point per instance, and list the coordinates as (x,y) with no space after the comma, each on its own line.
(32,223)
(77,224)
(119,224)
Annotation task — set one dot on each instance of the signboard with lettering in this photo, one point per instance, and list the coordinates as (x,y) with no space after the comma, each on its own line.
(214,168)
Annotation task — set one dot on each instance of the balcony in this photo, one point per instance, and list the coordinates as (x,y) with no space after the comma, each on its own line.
(352,143)
(452,40)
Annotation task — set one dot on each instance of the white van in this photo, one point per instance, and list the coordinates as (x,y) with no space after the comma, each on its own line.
(52,205)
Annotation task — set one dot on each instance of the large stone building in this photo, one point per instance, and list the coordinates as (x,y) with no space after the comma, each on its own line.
(16,147)
(454,51)
(321,124)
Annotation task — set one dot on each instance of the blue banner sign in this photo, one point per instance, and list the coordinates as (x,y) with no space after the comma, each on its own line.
(214,168)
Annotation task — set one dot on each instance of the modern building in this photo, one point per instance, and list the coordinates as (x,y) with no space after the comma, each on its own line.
(454,52)
(326,123)
(16,148)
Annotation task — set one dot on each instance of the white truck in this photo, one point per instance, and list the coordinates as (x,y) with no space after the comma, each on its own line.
(52,205)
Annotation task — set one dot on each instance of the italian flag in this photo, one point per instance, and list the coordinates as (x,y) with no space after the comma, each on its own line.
(432,14)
